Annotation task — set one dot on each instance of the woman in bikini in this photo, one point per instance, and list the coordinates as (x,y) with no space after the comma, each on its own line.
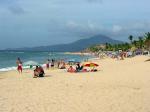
(19,65)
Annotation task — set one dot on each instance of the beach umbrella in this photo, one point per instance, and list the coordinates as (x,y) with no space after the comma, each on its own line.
(91,65)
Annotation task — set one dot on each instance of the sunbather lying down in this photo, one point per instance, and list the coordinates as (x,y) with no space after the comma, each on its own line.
(38,72)
(94,70)
(71,70)
(81,69)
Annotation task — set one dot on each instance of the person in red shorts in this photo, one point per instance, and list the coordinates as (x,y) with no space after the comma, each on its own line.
(19,65)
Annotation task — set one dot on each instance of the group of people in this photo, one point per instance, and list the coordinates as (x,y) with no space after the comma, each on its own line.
(59,63)
(120,55)
(48,63)
(38,71)
(78,68)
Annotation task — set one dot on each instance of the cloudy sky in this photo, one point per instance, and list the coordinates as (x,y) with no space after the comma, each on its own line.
(25,23)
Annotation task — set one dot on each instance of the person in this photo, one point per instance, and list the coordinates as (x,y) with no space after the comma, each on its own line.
(41,71)
(58,63)
(19,65)
(78,67)
(71,70)
(38,72)
(47,64)
(62,65)
(94,70)
(52,63)
(122,55)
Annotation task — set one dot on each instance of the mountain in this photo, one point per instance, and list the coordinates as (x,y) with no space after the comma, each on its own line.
(75,46)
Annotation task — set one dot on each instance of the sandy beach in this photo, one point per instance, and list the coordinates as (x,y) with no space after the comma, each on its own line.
(119,86)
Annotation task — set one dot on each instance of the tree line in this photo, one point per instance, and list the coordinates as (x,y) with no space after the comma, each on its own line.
(142,42)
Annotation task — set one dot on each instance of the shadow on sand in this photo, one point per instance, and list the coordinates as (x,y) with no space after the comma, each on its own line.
(48,76)
(147,60)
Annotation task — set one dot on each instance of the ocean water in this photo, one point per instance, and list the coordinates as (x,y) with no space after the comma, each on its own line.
(8,58)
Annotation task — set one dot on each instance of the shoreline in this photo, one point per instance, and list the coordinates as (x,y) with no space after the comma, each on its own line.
(79,53)
(74,53)
(7,69)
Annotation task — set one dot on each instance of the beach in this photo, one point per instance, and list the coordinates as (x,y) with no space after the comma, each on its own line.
(118,86)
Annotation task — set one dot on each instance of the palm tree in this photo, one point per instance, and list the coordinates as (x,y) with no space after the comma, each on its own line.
(147,40)
(130,38)
(106,46)
(94,48)
(127,46)
(135,43)
(141,42)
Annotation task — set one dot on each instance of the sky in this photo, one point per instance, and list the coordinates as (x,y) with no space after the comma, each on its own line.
(29,23)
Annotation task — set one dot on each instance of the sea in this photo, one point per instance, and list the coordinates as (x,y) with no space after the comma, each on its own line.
(8,58)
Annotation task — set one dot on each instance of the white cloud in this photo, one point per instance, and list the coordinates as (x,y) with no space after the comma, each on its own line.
(116,28)
(12,5)
(72,24)
(120,31)
(50,18)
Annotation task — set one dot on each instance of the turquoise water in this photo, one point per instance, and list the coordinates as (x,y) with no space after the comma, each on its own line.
(8,58)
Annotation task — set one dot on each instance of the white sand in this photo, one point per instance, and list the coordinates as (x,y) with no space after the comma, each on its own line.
(119,86)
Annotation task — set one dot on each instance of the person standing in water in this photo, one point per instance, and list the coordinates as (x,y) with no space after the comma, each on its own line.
(52,63)
(19,65)
(47,64)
